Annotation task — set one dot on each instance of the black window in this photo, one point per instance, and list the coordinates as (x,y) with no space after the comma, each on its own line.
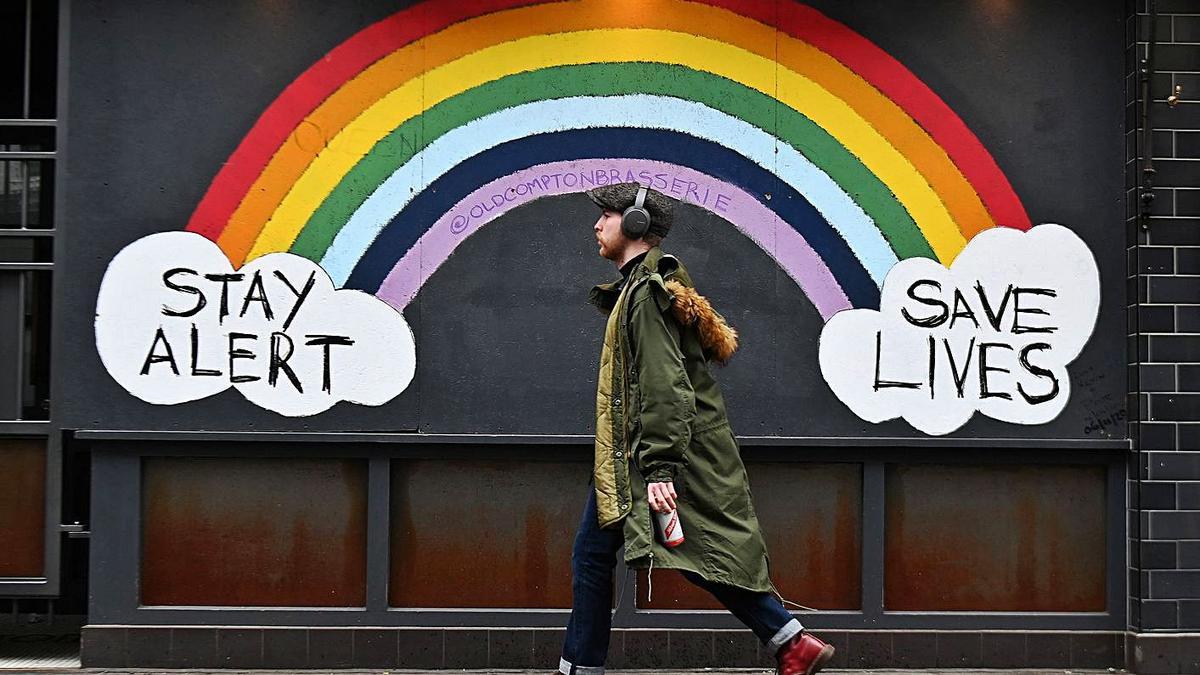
(28,85)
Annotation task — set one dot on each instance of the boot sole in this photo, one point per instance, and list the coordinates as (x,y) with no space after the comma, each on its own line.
(822,658)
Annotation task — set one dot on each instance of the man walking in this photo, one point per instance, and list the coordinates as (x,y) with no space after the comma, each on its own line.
(663,443)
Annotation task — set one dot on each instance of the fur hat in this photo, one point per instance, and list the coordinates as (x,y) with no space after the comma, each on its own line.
(620,196)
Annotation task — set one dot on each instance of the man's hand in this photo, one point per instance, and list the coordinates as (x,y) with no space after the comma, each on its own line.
(662,496)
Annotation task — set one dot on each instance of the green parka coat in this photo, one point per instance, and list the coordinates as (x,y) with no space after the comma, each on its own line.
(660,417)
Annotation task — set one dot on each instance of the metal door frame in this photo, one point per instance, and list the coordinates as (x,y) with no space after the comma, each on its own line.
(49,584)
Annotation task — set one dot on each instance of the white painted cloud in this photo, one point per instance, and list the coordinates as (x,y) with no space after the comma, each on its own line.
(993,333)
(175,322)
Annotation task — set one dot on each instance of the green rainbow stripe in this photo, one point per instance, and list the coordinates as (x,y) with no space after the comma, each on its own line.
(614,79)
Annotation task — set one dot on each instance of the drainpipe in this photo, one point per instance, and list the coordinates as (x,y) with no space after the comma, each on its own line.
(1145,198)
(1147,117)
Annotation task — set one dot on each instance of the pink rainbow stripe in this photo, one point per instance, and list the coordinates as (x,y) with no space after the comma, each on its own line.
(777,238)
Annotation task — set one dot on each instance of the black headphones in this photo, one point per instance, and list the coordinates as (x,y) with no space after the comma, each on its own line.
(635,221)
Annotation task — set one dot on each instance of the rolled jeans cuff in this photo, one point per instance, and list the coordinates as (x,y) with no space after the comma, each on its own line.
(564,667)
(790,630)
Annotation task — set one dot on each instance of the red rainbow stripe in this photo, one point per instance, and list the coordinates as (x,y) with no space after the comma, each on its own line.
(358,52)
(315,85)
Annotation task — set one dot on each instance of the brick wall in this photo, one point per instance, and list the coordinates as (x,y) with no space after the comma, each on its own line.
(1164,324)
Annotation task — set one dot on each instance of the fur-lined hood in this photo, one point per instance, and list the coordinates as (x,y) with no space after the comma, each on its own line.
(719,339)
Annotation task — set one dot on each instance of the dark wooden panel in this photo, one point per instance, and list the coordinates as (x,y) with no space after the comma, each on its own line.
(257,532)
(484,533)
(995,538)
(22,508)
(811,515)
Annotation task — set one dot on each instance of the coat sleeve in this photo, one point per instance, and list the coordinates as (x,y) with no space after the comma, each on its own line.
(667,402)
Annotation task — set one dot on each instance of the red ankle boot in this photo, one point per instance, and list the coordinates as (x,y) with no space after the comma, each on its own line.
(803,655)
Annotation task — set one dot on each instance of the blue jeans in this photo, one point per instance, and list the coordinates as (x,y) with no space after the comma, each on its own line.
(592,564)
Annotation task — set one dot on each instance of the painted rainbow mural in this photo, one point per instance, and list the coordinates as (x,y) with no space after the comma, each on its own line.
(408,137)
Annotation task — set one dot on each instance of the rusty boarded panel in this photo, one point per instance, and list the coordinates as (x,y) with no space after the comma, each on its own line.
(484,533)
(254,532)
(22,507)
(811,515)
(995,538)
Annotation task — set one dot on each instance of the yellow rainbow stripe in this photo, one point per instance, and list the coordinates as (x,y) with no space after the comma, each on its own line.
(394,89)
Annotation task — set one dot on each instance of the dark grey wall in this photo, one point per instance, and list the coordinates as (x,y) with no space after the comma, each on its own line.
(1164,261)
(161,93)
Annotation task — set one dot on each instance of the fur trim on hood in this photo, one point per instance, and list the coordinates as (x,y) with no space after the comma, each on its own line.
(718,338)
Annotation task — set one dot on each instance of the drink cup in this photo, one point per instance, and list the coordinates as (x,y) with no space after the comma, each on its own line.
(670,530)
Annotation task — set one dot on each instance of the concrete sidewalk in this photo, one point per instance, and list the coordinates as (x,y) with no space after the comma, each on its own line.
(705,671)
